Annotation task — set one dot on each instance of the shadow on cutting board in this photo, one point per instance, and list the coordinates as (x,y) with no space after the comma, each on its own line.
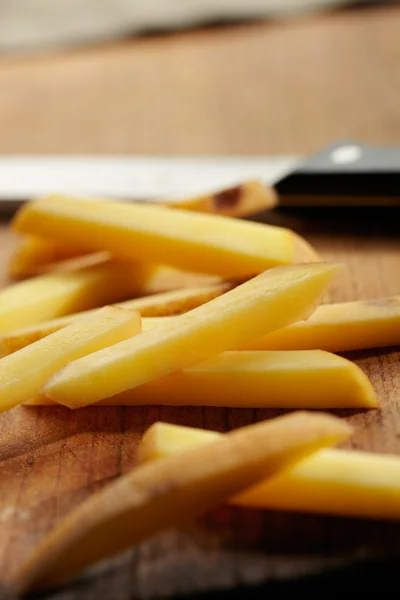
(235,553)
(362,578)
(358,221)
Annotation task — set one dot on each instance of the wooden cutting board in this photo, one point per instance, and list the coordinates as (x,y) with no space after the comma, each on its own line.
(51,459)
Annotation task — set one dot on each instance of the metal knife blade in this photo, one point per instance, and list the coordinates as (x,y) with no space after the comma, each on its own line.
(346,173)
(131,178)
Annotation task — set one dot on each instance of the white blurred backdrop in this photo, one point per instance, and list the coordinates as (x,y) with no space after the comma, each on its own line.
(40,24)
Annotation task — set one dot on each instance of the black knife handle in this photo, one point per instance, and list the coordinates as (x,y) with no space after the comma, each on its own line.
(345,174)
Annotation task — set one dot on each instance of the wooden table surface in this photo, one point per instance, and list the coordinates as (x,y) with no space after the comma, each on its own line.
(260,88)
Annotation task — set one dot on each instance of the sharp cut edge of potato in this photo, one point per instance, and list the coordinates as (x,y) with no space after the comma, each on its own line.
(165,303)
(167,492)
(286,379)
(333,482)
(303,250)
(24,372)
(340,327)
(205,243)
(241,200)
(268,301)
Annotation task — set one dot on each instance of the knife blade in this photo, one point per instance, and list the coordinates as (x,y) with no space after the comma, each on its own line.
(346,173)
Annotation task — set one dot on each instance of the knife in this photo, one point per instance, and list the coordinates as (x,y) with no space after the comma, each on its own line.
(346,173)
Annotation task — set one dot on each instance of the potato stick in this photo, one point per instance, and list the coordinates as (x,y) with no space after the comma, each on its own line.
(239,201)
(151,322)
(167,303)
(80,261)
(158,278)
(267,379)
(33,254)
(271,300)
(336,482)
(37,256)
(179,301)
(305,251)
(339,327)
(55,295)
(24,372)
(198,242)
(174,490)
(148,278)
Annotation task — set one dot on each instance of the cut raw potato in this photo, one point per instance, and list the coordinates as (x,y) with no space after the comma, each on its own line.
(23,373)
(81,261)
(171,491)
(167,303)
(146,278)
(35,255)
(204,243)
(179,301)
(58,294)
(339,327)
(272,300)
(151,322)
(336,482)
(156,278)
(32,254)
(239,201)
(291,379)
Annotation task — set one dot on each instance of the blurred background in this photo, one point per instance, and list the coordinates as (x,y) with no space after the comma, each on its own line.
(197,77)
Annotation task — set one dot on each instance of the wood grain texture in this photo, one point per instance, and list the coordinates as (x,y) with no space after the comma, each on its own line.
(52,459)
(260,88)
(275,88)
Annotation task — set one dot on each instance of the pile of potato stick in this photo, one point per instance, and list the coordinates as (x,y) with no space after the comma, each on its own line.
(190,304)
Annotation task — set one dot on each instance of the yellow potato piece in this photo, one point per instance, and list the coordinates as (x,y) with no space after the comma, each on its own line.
(32,254)
(145,278)
(74,263)
(271,300)
(35,255)
(167,303)
(24,372)
(239,201)
(50,296)
(151,322)
(158,278)
(339,327)
(205,243)
(287,379)
(336,482)
(174,490)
